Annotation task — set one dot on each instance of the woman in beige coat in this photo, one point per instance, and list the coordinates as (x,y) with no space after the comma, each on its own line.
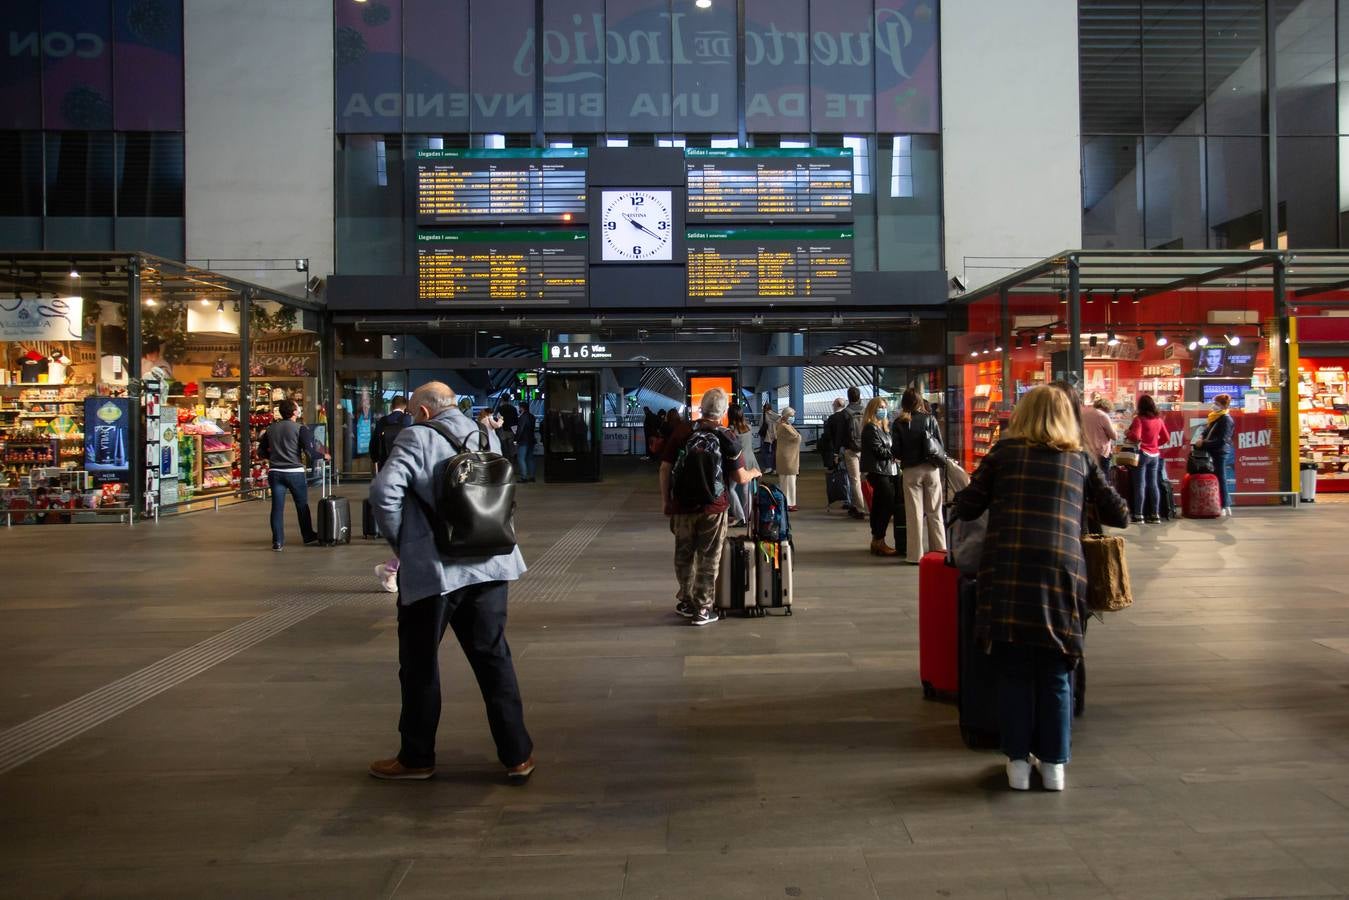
(789,456)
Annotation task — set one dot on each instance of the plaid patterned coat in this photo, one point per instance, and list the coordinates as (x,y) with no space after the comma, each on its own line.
(1032,577)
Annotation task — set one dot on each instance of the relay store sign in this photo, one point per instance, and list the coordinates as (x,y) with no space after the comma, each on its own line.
(637,65)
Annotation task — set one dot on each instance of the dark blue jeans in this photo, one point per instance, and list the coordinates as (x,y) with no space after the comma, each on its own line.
(293,483)
(477,614)
(1146,497)
(525,461)
(1219,457)
(1035,702)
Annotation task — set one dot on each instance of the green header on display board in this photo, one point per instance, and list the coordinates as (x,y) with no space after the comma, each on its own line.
(518,153)
(502,236)
(769,234)
(766,153)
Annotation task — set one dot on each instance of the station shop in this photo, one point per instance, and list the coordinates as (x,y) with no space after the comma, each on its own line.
(135,384)
(1184,328)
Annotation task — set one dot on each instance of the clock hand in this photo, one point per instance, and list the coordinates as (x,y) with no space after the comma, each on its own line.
(640,227)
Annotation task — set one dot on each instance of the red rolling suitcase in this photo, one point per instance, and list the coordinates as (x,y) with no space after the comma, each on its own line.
(938,634)
(1200,497)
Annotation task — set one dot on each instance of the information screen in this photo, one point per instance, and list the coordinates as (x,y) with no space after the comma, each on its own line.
(769,185)
(530,186)
(752,265)
(513,266)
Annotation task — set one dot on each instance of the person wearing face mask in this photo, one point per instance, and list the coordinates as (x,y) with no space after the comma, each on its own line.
(787,442)
(879,466)
(1217,442)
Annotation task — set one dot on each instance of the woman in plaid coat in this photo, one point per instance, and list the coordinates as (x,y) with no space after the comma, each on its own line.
(1032,578)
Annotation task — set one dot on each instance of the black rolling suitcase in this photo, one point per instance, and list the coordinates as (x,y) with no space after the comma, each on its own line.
(835,486)
(978,693)
(369,527)
(334,517)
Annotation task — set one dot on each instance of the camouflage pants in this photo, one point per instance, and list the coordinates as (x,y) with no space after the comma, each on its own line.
(698,542)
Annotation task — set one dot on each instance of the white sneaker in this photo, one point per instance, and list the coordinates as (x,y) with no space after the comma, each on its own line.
(1226,512)
(1018,774)
(1052,774)
(388,578)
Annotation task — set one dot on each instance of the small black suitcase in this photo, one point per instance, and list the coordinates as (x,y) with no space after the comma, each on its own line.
(334,521)
(369,527)
(836,486)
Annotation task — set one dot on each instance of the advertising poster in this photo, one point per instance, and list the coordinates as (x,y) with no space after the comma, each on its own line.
(106,439)
(435,65)
(368,66)
(148,65)
(906,66)
(21,68)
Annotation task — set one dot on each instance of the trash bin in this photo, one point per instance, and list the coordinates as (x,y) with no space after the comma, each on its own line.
(1307,492)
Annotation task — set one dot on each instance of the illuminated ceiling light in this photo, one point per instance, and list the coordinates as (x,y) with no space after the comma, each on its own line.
(74,270)
(1063,297)
(1114,296)
(367,340)
(1233,340)
(1160,338)
(149,301)
(1202,340)
(1138,298)
(1088,297)
(205,302)
(974,353)
(219,307)
(1194,344)
(1111,339)
(703,4)
(998,348)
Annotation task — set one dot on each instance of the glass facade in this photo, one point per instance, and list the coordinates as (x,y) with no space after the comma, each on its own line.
(640,73)
(1176,123)
(91,126)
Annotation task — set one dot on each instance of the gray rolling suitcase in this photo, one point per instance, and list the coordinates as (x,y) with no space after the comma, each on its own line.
(736,578)
(773,574)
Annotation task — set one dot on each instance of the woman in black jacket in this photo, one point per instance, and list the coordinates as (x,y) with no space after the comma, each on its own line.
(878,464)
(918,446)
(1032,585)
(1217,442)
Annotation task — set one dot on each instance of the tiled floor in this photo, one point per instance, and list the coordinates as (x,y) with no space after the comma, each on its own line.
(786,757)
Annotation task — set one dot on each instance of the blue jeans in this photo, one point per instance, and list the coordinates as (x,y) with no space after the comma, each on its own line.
(1035,702)
(1219,457)
(293,483)
(1145,486)
(524,460)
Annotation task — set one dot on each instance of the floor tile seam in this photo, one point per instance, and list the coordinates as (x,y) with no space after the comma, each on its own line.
(169,670)
(27,740)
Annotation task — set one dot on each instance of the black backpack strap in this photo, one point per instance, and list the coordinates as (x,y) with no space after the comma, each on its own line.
(444,431)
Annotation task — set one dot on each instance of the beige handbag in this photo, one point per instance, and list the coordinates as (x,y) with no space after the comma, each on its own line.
(1108,587)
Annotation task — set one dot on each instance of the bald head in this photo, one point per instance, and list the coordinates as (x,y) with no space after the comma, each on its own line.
(430,400)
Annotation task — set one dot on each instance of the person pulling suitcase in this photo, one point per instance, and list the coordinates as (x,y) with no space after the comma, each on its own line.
(284,445)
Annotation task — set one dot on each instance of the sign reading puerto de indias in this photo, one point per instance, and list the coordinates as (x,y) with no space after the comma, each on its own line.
(636,65)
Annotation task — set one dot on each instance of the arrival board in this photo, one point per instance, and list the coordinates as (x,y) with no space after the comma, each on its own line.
(782,186)
(754,265)
(509,266)
(531,186)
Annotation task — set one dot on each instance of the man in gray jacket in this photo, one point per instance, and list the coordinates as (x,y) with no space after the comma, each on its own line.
(466,594)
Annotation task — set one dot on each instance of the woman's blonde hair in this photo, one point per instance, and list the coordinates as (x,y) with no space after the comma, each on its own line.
(1044,418)
(869,417)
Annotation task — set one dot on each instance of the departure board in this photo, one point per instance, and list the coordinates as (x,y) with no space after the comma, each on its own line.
(505,186)
(754,265)
(784,186)
(525,267)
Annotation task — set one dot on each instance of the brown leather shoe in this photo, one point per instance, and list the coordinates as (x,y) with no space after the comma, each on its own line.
(520,774)
(881,548)
(393,770)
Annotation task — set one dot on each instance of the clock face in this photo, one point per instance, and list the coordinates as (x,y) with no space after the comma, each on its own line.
(636,225)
